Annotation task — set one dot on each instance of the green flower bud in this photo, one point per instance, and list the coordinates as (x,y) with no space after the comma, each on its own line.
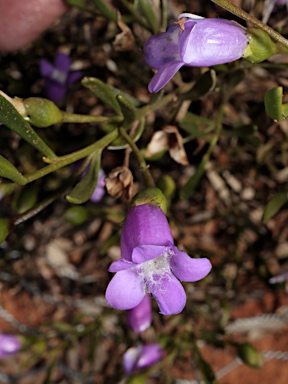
(250,355)
(167,185)
(260,46)
(150,196)
(42,112)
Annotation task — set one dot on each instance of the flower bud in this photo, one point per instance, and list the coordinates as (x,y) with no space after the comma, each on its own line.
(250,355)
(119,182)
(150,196)
(260,46)
(139,318)
(42,112)
(140,357)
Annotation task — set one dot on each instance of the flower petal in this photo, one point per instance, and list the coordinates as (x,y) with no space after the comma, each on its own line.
(139,318)
(148,252)
(55,91)
(208,42)
(125,290)
(120,265)
(62,62)
(150,355)
(144,225)
(46,68)
(169,293)
(130,358)
(164,74)
(163,48)
(186,268)
(73,76)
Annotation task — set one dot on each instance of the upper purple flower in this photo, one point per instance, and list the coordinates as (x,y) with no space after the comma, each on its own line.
(197,42)
(141,357)
(139,318)
(151,263)
(9,345)
(58,77)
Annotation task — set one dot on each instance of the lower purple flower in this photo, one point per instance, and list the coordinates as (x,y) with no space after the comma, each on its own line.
(9,345)
(150,263)
(140,357)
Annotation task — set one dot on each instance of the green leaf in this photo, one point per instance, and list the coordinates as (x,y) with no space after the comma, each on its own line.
(250,355)
(86,186)
(128,111)
(5,227)
(196,126)
(27,198)
(273,103)
(13,120)
(275,204)
(120,143)
(103,91)
(202,87)
(10,172)
(105,10)
(76,215)
(148,11)
(192,183)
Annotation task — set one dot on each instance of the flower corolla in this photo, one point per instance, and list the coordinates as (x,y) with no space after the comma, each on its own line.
(140,357)
(58,76)
(193,41)
(150,263)
(9,345)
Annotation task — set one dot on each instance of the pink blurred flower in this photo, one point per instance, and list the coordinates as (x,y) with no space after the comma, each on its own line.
(9,345)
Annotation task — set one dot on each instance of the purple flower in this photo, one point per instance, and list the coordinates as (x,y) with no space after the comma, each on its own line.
(197,42)
(151,263)
(9,345)
(99,191)
(58,77)
(139,318)
(141,357)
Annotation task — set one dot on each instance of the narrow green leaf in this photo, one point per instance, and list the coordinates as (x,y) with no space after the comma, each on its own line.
(128,110)
(202,87)
(105,10)
(148,11)
(10,172)
(13,120)
(275,204)
(5,227)
(273,103)
(86,186)
(192,183)
(103,91)
(120,143)
(27,198)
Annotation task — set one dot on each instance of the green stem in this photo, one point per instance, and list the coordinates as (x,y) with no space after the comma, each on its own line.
(148,179)
(76,118)
(62,161)
(191,184)
(142,112)
(257,23)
